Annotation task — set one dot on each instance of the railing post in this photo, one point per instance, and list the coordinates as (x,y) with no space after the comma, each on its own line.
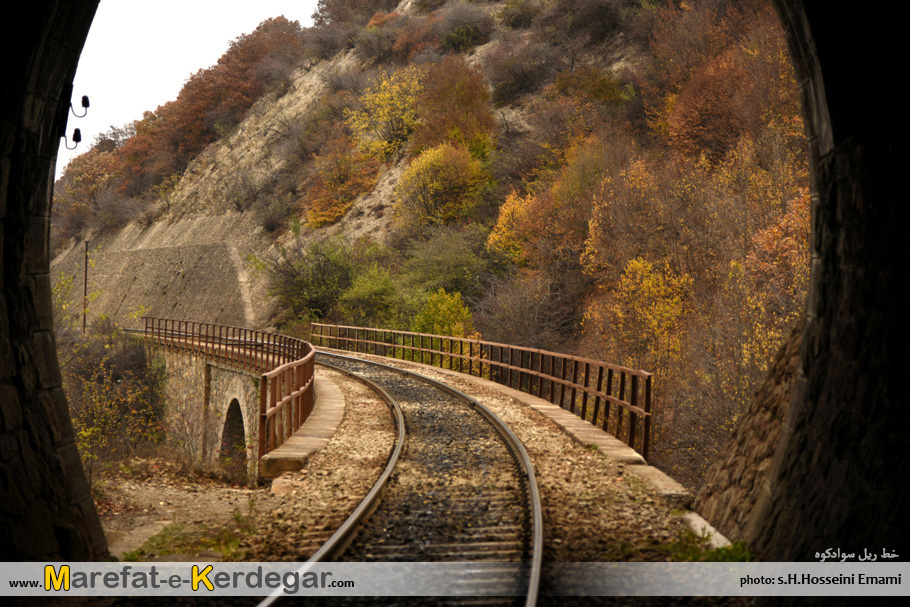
(273,401)
(646,435)
(291,427)
(574,382)
(608,392)
(600,383)
(633,416)
(622,396)
(263,417)
(584,394)
(521,365)
(551,374)
(562,385)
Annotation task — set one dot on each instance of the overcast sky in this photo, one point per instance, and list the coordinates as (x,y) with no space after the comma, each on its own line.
(139,54)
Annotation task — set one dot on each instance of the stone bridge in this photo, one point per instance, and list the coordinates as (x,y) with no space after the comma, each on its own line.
(235,396)
(213,409)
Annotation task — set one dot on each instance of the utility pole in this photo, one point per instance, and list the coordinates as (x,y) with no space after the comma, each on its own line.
(85,288)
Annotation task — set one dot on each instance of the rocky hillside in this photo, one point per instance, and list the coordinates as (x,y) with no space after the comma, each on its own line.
(625,180)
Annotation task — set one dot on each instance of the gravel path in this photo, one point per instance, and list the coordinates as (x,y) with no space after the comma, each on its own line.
(332,482)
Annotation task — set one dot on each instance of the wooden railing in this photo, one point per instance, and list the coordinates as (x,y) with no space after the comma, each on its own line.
(285,366)
(616,399)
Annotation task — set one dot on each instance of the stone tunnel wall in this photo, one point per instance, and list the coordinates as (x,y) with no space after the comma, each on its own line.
(733,484)
(198,393)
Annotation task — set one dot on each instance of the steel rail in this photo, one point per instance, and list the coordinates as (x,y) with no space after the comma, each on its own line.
(519,452)
(335,545)
(341,539)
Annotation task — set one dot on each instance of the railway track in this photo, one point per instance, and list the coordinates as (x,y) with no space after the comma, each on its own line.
(459,487)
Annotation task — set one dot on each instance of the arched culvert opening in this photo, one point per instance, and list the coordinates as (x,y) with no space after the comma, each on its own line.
(233,454)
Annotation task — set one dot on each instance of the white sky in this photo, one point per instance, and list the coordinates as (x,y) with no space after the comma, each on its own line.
(139,54)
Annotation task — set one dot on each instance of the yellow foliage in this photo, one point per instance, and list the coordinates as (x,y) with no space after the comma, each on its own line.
(508,236)
(445,314)
(642,319)
(387,112)
(443,184)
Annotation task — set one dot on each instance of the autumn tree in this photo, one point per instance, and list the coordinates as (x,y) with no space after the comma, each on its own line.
(527,308)
(79,193)
(386,113)
(115,395)
(341,173)
(211,102)
(330,12)
(442,185)
(645,317)
(444,314)
(454,107)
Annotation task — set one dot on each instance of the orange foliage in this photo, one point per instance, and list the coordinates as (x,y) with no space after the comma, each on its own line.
(716,74)
(210,103)
(418,34)
(779,260)
(708,115)
(454,107)
(341,174)
(379,19)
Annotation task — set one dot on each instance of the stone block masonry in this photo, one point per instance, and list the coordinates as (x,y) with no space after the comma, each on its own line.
(199,394)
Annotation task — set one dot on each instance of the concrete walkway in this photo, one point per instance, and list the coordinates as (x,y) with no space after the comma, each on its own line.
(313,435)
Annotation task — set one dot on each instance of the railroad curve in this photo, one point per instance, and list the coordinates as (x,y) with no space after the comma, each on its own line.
(463,489)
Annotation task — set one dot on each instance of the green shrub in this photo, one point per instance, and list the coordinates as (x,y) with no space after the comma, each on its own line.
(450,258)
(309,277)
(519,14)
(444,314)
(463,25)
(370,300)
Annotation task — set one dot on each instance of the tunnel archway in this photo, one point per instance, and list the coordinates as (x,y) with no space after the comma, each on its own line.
(841,468)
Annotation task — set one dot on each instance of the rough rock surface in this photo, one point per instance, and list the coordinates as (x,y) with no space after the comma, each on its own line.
(194,268)
(733,483)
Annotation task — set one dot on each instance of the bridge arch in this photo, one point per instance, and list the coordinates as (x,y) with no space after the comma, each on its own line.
(232,421)
(233,444)
(843,449)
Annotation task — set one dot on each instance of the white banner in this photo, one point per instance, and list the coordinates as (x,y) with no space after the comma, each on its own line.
(454,579)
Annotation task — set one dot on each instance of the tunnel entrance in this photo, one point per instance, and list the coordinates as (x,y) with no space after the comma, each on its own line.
(232,455)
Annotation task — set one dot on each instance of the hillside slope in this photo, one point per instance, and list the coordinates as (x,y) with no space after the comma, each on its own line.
(622,180)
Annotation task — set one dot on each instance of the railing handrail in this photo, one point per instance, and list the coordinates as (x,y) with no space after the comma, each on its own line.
(640,372)
(285,367)
(630,392)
